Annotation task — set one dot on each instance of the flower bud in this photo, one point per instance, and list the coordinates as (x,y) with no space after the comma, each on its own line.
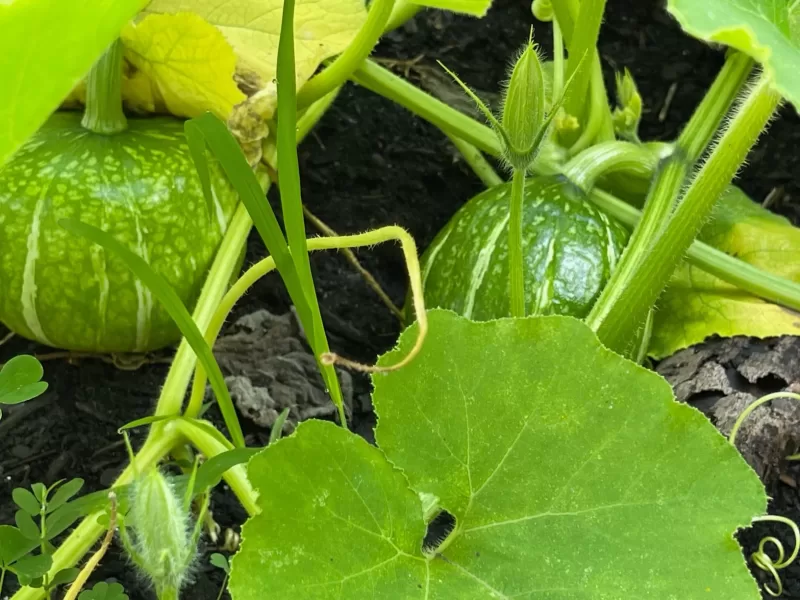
(162,544)
(628,113)
(542,10)
(524,108)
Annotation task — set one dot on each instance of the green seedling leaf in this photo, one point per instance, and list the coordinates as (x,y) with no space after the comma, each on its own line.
(277,427)
(697,305)
(104,591)
(13,545)
(177,311)
(532,435)
(210,472)
(33,567)
(48,46)
(26,525)
(767,30)
(39,491)
(26,501)
(20,377)
(64,493)
(63,576)
(220,561)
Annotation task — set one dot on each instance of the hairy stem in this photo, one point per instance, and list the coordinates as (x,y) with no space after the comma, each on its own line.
(608,157)
(670,178)
(516,270)
(625,307)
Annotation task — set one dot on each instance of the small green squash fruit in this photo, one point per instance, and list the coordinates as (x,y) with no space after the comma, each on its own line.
(569,246)
(139,184)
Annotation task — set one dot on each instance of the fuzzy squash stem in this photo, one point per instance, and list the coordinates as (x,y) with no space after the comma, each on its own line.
(103,112)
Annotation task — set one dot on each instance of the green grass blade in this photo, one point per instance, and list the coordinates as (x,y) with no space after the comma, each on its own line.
(227,151)
(173,305)
(291,199)
(197,150)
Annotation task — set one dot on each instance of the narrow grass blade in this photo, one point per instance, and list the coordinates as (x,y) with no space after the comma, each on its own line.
(227,151)
(173,305)
(292,203)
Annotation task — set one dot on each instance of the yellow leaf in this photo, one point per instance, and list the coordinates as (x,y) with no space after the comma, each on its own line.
(182,65)
(323,28)
(697,305)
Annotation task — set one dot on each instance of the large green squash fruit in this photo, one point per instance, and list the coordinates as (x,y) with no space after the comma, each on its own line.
(569,247)
(139,185)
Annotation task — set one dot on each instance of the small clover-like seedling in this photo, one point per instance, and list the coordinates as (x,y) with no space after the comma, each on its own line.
(20,380)
(104,591)
(221,562)
(50,506)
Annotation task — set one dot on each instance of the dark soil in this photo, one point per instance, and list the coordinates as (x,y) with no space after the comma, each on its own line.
(370,163)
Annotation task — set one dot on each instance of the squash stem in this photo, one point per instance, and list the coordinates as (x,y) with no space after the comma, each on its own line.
(516,269)
(622,309)
(607,157)
(670,179)
(348,61)
(103,112)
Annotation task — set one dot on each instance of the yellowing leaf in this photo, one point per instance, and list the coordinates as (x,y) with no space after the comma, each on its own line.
(697,305)
(182,65)
(323,28)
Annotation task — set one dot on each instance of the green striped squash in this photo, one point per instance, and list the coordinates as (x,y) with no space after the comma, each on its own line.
(141,186)
(569,246)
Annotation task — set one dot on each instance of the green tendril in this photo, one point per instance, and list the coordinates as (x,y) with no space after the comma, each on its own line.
(765,562)
(763,400)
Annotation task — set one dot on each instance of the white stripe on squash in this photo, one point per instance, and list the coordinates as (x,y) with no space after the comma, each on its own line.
(432,254)
(482,264)
(28,297)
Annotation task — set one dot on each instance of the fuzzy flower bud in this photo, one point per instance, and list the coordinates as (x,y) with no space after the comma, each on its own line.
(524,115)
(542,10)
(162,544)
(628,113)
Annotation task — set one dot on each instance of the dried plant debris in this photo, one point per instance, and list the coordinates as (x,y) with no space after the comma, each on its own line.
(721,377)
(269,367)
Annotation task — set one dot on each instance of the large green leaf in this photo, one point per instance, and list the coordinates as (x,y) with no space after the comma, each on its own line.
(697,305)
(571,472)
(47,46)
(767,30)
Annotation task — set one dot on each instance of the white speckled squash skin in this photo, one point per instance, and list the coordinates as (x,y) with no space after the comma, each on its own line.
(569,247)
(139,185)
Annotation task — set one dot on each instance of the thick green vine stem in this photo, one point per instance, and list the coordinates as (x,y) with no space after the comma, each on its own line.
(608,157)
(674,168)
(715,262)
(403,11)
(515,262)
(623,306)
(103,112)
(348,61)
